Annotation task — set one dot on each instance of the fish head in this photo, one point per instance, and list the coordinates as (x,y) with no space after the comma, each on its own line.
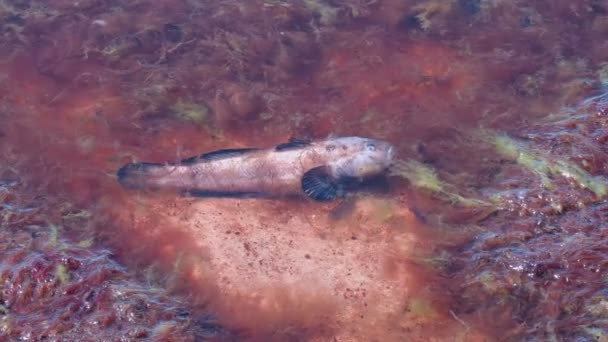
(359,157)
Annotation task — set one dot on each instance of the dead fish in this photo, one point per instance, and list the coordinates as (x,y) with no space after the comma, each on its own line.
(323,170)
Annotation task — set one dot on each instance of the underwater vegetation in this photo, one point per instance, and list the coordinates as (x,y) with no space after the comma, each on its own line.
(545,168)
(484,234)
(547,184)
(547,238)
(425,178)
(56,285)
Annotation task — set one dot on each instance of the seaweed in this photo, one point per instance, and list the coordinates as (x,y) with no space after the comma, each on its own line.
(543,166)
(425,178)
(61,274)
(86,243)
(420,175)
(53,236)
(192,112)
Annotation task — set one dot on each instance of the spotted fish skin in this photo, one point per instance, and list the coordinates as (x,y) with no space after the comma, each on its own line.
(320,170)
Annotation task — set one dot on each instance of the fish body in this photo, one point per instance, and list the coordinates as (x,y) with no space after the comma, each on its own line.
(321,170)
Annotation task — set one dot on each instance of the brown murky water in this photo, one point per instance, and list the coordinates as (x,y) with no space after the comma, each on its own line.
(493,228)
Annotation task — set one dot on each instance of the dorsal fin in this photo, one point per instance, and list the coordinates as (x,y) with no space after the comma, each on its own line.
(219,154)
(293,143)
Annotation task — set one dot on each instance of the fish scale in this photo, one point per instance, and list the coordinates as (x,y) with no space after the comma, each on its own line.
(314,169)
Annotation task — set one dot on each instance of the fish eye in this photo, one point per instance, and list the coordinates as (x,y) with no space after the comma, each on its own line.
(370,147)
(330,148)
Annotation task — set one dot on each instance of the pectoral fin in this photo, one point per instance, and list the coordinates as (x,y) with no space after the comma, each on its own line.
(320,185)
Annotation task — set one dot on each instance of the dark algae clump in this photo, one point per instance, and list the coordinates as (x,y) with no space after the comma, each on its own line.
(492,225)
(56,286)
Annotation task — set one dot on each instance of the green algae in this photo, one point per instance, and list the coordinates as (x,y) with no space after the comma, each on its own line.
(425,177)
(85,243)
(53,236)
(193,112)
(61,273)
(53,239)
(198,114)
(421,176)
(544,167)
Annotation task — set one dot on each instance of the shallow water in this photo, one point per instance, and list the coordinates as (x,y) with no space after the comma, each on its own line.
(493,227)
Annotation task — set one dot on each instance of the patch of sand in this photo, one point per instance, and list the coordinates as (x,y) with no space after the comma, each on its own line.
(287,262)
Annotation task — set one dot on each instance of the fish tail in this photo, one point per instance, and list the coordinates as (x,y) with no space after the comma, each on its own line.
(136,175)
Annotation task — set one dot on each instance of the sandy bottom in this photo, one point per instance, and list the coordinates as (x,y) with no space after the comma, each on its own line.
(293,269)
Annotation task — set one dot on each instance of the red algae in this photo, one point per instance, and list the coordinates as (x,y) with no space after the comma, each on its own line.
(55,285)
(87,86)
